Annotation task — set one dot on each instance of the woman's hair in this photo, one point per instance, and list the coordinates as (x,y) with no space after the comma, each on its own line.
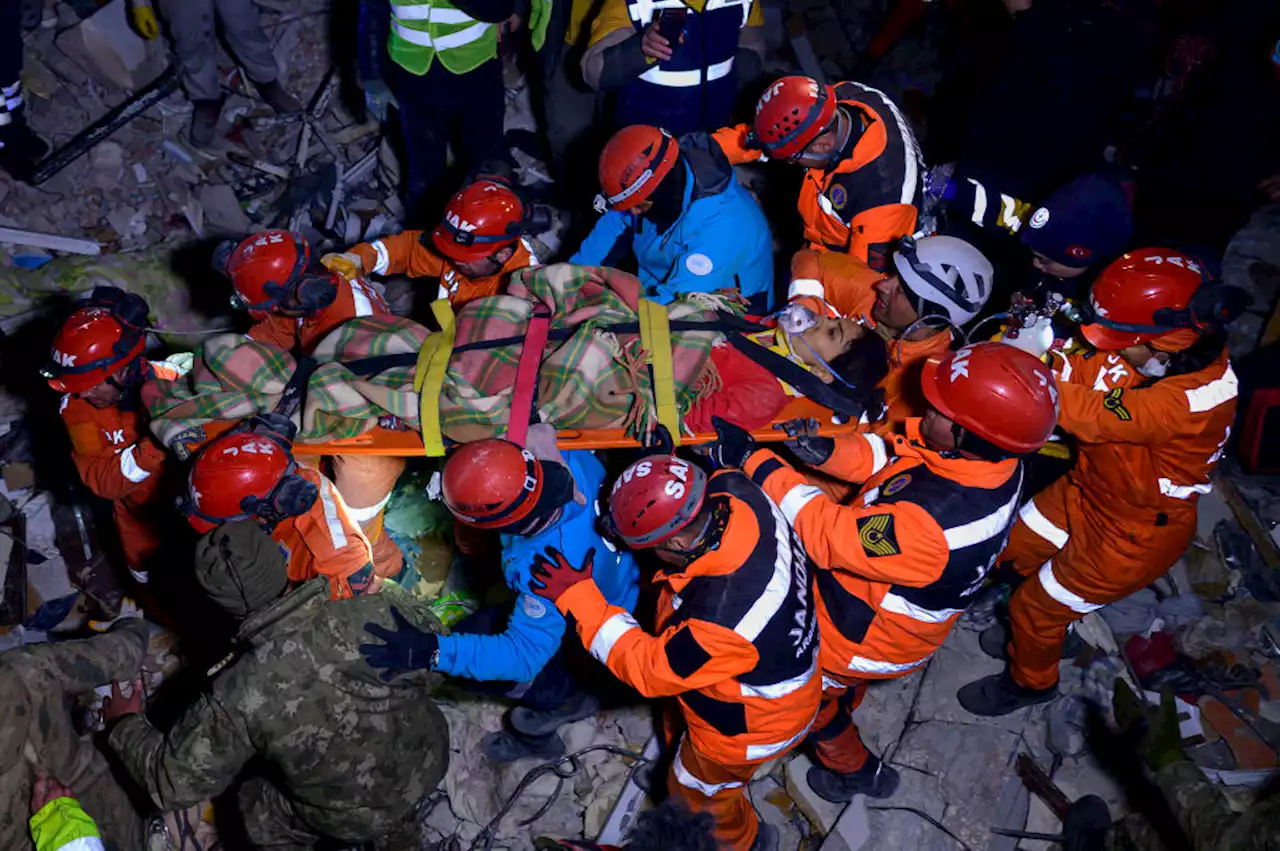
(1198,355)
(863,365)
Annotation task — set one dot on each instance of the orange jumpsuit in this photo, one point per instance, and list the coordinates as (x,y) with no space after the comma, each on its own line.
(1127,511)
(737,644)
(896,567)
(118,460)
(870,200)
(355,299)
(326,541)
(405,254)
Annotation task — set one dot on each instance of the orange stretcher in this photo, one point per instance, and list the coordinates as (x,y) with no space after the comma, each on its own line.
(381,441)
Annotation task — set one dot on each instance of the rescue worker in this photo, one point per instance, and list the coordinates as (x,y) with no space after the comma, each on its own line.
(342,753)
(57,822)
(249,473)
(97,363)
(534,503)
(675,64)
(473,251)
(38,682)
(293,305)
(691,225)
(737,638)
(444,75)
(897,565)
(938,283)
(1151,429)
(864,171)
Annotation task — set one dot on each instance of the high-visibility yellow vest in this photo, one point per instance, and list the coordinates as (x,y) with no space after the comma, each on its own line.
(422,30)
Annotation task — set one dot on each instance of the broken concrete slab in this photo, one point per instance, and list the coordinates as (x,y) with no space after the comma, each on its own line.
(108,49)
(821,813)
(54,242)
(853,830)
(222,210)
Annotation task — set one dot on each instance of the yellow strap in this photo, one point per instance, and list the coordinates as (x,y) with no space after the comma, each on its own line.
(428,380)
(655,336)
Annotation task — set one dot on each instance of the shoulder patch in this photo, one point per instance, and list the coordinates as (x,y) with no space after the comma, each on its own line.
(877,535)
(896,484)
(839,196)
(1114,403)
(699,264)
(533,607)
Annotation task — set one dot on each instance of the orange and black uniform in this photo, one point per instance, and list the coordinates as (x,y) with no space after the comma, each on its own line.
(737,643)
(405,254)
(903,398)
(327,541)
(1126,511)
(118,460)
(896,567)
(871,199)
(355,299)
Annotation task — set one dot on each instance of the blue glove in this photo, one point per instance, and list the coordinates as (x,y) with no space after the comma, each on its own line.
(407,648)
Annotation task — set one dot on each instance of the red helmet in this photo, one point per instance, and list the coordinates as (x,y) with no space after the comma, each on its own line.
(654,498)
(634,162)
(271,268)
(1143,295)
(1000,393)
(247,472)
(92,345)
(792,113)
(492,483)
(482,219)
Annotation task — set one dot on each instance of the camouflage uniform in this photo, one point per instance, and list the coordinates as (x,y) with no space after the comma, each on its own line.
(349,755)
(36,732)
(1203,815)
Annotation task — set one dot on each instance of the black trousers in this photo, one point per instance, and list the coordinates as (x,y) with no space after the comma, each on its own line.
(439,108)
(10,41)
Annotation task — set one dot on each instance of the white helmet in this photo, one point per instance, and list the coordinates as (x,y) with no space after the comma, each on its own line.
(945,276)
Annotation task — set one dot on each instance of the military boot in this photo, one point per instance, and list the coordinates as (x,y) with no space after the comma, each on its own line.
(875,780)
(539,722)
(21,149)
(505,746)
(998,694)
(204,121)
(278,98)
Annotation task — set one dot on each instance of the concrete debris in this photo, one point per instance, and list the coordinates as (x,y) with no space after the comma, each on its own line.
(222,211)
(108,49)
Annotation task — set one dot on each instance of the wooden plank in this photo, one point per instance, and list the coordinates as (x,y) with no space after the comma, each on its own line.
(1249,521)
(51,241)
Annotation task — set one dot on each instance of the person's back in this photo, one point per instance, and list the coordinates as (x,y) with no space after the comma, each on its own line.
(345,755)
(352,751)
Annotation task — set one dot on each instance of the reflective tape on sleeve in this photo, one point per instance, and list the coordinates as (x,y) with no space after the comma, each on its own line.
(384,259)
(129,467)
(607,636)
(796,499)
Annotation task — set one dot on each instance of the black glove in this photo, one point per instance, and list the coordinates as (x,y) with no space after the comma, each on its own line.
(807,444)
(407,648)
(733,444)
(659,441)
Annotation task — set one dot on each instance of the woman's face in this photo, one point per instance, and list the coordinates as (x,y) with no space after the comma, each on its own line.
(829,339)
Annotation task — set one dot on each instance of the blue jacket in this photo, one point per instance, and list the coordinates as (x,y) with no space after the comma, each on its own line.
(719,241)
(536,627)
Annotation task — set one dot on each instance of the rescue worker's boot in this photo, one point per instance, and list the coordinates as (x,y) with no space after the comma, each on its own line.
(204,121)
(875,780)
(994,641)
(278,98)
(538,722)
(532,732)
(998,694)
(505,746)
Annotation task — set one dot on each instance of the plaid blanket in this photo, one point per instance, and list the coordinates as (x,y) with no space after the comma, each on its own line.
(595,378)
